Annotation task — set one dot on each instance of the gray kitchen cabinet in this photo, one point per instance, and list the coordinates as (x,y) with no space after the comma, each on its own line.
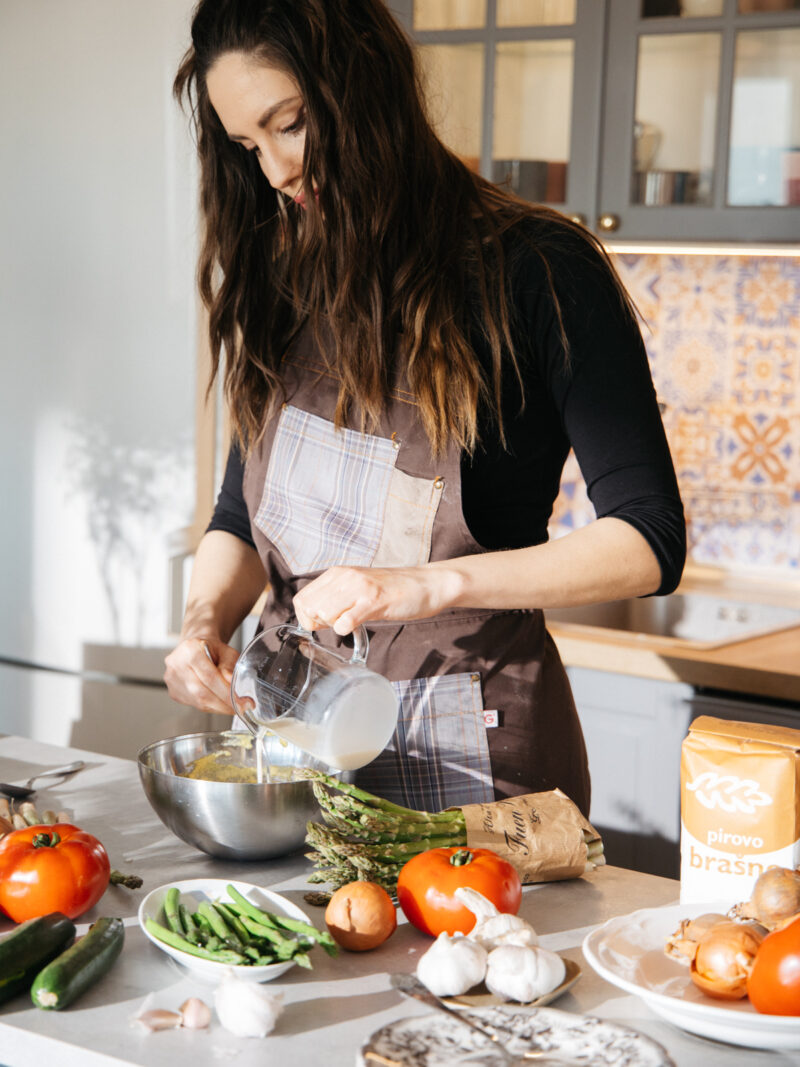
(634,728)
(701,121)
(648,119)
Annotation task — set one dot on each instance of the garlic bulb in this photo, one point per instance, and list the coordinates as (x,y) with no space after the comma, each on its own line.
(523,973)
(452,965)
(246,1008)
(494,928)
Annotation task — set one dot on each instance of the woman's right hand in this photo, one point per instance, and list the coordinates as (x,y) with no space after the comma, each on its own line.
(198,673)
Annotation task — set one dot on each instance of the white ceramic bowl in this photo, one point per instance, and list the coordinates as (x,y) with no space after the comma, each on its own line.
(195,890)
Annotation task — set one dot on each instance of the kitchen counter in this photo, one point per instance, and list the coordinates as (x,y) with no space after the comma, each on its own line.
(330,1011)
(767,666)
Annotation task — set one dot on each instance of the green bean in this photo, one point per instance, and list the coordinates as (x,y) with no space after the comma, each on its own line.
(172,910)
(298,926)
(267,919)
(203,927)
(233,920)
(220,927)
(189,925)
(264,933)
(169,937)
(243,906)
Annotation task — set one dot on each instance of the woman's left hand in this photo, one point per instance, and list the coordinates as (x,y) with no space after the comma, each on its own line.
(345,597)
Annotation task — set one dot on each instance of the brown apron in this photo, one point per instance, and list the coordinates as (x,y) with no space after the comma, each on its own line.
(486,709)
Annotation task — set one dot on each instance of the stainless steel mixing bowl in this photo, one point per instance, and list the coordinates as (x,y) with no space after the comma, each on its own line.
(230,820)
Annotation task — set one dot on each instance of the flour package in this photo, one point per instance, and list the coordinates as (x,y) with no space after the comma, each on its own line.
(740,807)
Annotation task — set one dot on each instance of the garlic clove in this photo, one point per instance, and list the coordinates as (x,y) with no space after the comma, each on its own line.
(503,928)
(195,1014)
(159,1019)
(520,935)
(493,927)
(480,906)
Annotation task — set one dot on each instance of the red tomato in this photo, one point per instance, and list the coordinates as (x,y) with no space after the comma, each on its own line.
(774,983)
(427,884)
(51,868)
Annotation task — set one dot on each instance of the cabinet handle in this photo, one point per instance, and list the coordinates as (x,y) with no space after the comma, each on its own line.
(608,223)
(578,218)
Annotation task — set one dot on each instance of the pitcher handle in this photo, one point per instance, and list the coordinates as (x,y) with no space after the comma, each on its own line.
(360,641)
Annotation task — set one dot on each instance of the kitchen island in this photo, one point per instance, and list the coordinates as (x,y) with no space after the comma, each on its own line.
(330,1011)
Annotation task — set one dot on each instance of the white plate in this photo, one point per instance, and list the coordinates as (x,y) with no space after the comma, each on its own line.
(192,892)
(629,953)
(437,1041)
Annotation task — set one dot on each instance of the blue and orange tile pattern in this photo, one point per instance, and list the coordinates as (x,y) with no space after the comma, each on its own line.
(723,337)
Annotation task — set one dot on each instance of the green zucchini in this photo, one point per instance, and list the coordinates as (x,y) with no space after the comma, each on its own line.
(74,971)
(27,949)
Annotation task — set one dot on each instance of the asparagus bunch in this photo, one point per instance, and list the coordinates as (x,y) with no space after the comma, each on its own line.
(364,837)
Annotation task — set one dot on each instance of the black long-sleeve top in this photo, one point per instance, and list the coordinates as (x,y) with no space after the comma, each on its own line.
(599,400)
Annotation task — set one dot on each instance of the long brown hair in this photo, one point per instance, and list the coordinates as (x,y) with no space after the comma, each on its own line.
(396,252)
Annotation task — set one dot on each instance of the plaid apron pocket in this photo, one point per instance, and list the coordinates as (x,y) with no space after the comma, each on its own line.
(325,492)
(336,498)
(441,734)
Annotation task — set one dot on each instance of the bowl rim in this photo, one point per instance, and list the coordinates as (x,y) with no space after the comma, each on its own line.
(151,745)
(144,764)
(189,886)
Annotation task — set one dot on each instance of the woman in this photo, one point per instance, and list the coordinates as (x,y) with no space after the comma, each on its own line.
(410,352)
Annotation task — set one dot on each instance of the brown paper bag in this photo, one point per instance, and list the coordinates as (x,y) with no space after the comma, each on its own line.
(543,835)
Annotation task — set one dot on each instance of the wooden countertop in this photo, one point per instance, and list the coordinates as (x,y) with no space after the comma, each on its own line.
(767,666)
(762,667)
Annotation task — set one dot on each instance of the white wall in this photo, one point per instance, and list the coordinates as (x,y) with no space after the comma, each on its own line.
(97,313)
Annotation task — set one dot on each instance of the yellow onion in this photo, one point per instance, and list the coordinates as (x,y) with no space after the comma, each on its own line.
(724,959)
(360,916)
(775,898)
(682,944)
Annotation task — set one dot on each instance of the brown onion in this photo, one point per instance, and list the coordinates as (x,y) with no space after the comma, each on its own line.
(725,958)
(683,943)
(360,916)
(775,897)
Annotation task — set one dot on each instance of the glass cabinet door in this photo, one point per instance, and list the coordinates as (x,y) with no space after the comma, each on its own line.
(675,118)
(530,141)
(453,79)
(764,153)
(448,14)
(504,79)
(701,120)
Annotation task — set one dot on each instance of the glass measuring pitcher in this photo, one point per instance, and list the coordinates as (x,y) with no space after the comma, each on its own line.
(334,708)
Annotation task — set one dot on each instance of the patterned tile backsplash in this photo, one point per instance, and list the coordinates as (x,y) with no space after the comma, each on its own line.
(723,337)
